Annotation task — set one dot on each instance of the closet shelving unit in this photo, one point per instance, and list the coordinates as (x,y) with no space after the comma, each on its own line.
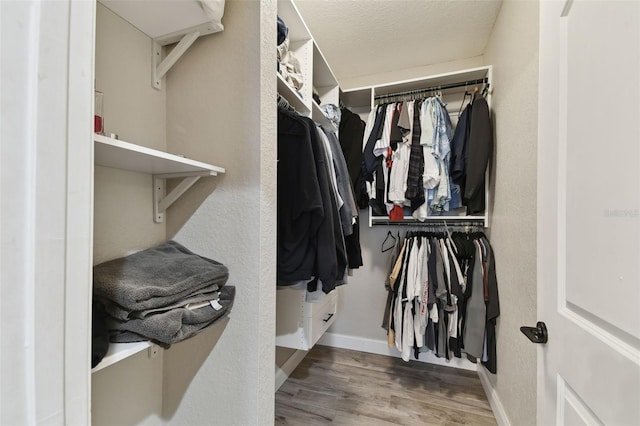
(165,23)
(315,69)
(452,86)
(300,324)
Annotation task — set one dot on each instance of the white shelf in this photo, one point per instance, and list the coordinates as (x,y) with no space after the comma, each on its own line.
(165,21)
(119,351)
(322,74)
(357,98)
(168,22)
(123,155)
(298,30)
(128,156)
(287,92)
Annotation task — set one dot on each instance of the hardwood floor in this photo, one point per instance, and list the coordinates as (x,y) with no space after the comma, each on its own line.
(344,387)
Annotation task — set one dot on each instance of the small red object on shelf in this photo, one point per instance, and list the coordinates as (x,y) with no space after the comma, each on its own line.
(98,120)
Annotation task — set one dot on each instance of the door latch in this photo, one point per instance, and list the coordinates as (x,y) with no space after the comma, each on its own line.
(536,334)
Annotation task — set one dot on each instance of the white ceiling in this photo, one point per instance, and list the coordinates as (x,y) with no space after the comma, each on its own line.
(365,37)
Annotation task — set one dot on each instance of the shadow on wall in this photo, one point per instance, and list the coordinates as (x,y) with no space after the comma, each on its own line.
(182,363)
(190,201)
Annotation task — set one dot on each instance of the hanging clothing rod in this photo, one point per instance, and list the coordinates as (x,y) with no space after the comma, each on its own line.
(450,222)
(431,89)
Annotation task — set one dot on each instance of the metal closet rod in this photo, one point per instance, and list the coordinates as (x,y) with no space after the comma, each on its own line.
(451,223)
(431,89)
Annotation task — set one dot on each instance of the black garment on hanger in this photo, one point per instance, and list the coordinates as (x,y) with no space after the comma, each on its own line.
(369,160)
(354,250)
(493,311)
(458,166)
(350,134)
(300,208)
(479,152)
(331,259)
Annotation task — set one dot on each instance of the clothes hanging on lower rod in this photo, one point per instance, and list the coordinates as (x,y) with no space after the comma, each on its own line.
(316,206)
(443,297)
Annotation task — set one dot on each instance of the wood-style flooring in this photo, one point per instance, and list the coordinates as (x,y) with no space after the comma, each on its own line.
(344,387)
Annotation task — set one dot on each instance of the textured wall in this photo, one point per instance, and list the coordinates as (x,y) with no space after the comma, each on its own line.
(513,52)
(221,109)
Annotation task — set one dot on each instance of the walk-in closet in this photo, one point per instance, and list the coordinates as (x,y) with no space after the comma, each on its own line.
(229,212)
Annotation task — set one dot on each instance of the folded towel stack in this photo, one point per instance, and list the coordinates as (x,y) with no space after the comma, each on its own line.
(164,294)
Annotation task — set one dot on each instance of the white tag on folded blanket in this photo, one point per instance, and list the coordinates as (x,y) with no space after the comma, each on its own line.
(196,305)
(215,304)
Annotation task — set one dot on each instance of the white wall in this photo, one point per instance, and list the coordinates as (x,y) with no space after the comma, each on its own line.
(513,52)
(221,109)
(129,392)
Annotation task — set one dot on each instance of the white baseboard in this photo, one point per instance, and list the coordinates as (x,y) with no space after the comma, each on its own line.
(496,406)
(380,347)
(282,373)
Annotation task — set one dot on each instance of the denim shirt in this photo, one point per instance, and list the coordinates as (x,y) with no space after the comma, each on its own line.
(442,152)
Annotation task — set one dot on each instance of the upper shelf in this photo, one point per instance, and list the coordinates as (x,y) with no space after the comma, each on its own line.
(167,21)
(322,73)
(123,155)
(298,30)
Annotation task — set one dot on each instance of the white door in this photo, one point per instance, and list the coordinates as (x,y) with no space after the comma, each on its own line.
(589,212)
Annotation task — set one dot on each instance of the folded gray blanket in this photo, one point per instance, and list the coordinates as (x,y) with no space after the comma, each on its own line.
(118,312)
(156,277)
(174,325)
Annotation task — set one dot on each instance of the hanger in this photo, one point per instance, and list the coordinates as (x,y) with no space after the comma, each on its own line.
(464,98)
(283,103)
(485,89)
(389,234)
(448,232)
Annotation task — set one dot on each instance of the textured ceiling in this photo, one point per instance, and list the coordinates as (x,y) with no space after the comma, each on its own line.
(364,37)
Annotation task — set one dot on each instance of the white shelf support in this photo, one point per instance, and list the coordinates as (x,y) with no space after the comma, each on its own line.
(161,66)
(161,202)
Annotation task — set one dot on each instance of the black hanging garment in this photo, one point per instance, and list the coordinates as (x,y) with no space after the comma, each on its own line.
(311,244)
(351,133)
(479,151)
(300,207)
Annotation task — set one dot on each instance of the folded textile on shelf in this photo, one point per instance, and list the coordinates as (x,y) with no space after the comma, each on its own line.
(155,277)
(164,294)
(174,325)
